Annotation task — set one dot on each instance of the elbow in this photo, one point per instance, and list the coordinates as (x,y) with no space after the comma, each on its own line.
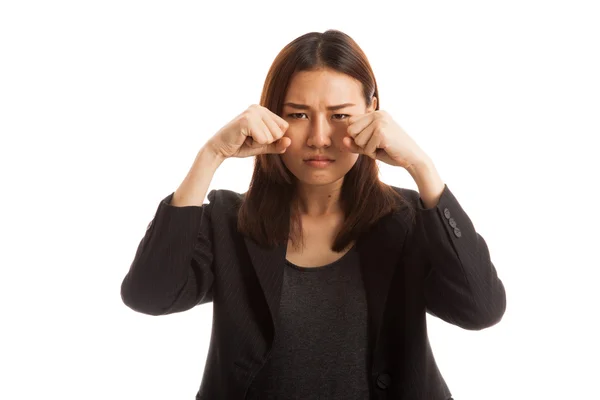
(490,310)
(472,312)
(135,299)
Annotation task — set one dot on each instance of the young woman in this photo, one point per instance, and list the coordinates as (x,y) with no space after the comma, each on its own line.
(320,275)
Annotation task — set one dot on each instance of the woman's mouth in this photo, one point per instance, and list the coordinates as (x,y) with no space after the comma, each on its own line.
(319,163)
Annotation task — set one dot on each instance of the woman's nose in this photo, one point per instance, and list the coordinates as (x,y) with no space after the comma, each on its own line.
(320,133)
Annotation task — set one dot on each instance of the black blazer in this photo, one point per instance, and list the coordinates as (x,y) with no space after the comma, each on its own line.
(440,265)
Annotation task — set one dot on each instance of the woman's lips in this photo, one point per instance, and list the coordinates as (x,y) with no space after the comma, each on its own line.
(319,163)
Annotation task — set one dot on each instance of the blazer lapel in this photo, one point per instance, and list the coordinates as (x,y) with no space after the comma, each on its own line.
(268,264)
(379,251)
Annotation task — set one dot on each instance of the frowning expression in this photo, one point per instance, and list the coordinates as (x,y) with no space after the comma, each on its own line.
(317,105)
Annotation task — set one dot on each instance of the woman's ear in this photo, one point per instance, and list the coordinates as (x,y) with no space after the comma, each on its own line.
(373,105)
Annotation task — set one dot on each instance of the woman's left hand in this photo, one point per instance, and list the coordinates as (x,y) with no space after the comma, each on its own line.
(377,135)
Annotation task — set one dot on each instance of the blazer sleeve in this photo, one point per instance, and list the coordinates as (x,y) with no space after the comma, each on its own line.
(172,270)
(461,284)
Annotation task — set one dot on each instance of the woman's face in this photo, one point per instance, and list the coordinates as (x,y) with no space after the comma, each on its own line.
(316,130)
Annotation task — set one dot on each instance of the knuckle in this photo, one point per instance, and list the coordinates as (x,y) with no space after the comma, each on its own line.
(244,120)
(245,116)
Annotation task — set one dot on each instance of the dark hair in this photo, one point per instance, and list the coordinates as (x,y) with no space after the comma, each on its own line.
(264,213)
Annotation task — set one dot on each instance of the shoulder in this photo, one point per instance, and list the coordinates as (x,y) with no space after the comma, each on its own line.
(410,195)
(224,201)
(230,197)
(225,195)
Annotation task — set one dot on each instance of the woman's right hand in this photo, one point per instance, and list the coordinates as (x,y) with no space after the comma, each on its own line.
(255,131)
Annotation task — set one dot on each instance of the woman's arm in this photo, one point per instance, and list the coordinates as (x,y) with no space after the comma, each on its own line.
(172,267)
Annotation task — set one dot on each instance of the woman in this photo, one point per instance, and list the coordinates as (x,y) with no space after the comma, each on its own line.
(320,275)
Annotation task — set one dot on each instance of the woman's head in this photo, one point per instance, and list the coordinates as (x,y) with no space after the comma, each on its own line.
(316,70)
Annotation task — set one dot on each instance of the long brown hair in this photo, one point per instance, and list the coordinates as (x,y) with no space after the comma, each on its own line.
(265,213)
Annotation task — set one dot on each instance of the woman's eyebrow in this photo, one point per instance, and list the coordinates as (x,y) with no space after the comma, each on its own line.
(305,107)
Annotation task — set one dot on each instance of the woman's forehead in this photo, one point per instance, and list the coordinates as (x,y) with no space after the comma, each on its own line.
(323,90)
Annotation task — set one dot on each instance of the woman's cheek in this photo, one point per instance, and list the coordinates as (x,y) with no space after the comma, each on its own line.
(295,137)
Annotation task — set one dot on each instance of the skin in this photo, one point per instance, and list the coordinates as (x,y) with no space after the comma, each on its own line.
(321,131)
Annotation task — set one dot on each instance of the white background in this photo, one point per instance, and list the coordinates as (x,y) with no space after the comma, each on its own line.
(104,105)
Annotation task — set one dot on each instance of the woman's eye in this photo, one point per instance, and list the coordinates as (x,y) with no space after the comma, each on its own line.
(341,114)
(294,115)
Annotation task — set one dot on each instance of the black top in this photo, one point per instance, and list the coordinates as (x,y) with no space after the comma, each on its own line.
(320,345)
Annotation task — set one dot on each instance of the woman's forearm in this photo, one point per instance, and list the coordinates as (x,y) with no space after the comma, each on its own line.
(193,189)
